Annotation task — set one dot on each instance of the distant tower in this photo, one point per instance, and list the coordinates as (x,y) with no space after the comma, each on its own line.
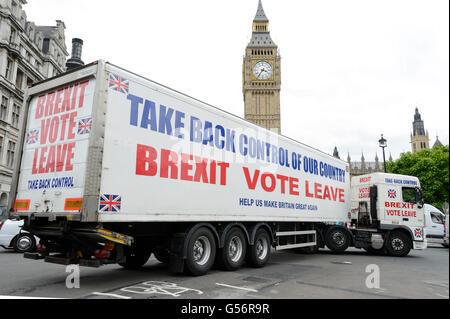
(336,153)
(261,72)
(420,139)
(437,143)
(75,61)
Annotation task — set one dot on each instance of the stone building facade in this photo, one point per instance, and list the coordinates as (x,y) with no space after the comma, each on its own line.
(261,73)
(28,54)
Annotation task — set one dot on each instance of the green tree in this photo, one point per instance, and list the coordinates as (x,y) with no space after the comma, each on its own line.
(431,167)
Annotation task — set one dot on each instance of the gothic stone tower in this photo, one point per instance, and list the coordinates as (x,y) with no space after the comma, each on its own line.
(261,74)
(420,139)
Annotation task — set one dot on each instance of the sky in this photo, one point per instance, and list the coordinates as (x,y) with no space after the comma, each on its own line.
(351,70)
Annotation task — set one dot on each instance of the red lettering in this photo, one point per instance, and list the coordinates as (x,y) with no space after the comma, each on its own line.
(34,170)
(58,100)
(145,161)
(64,118)
(74,96)
(169,159)
(54,126)
(72,125)
(318,190)
(283,180)
(200,170)
(293,185)
(60,156)
(83,88)
(66,101)
(51,160)
(251,182)
(223,172)
(49,104)
(273,183)
(40,107)
(70,156)
(186,167)
(45,126)
(326,193)
(307,193)
(212,172)
(42,160)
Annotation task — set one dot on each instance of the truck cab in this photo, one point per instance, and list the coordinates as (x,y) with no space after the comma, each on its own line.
(387,213)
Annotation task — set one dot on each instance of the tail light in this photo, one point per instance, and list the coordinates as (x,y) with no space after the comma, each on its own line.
(1,224)
(101,254)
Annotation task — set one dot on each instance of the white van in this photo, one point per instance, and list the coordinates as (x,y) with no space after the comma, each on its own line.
(434,221)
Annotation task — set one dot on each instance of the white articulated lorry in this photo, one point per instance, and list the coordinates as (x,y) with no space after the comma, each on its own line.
(113,167)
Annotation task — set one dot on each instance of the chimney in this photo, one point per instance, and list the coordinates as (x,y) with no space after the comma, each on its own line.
(75,61)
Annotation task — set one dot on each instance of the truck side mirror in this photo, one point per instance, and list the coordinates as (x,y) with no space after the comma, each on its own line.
(373,193)
(419,196)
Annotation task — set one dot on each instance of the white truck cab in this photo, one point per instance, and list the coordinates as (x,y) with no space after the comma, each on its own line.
(387,213)
(434,221)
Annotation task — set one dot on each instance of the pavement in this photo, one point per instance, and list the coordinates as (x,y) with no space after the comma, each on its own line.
(352,275)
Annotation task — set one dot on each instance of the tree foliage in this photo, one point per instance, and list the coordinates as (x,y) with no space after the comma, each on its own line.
(431,167)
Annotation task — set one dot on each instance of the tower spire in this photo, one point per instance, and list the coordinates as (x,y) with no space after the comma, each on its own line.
(260,14)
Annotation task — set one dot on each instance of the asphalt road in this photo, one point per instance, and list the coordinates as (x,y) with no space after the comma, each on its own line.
(422,274)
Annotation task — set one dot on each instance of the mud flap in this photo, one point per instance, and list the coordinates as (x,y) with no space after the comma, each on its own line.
(176,260)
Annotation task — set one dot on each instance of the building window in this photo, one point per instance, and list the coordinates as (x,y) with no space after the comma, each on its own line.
(15,115)
(10,154)
(8,68)
(12,36)
(4,109)
(19,79)
(1,147)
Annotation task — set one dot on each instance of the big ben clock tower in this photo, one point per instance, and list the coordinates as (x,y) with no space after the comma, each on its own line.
(262,76)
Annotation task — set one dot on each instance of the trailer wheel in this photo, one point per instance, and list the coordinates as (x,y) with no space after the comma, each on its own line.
(337,239)
(24,243)
(201,252)
(136,257)
(232,255)
(398,244)
(258,255)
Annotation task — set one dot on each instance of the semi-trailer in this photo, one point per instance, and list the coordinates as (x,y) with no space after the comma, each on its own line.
(113,167)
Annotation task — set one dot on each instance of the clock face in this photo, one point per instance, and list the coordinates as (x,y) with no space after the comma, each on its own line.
(262,70)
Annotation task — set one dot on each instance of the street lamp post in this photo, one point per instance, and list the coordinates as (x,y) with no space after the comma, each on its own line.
(383,143)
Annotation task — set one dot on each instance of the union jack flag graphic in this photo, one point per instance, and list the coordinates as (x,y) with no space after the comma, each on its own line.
(118,83)
(32,136)
(84,126)
(418,232)
(392,193)
(110,203)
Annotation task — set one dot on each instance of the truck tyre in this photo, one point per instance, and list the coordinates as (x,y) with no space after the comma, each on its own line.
(201,252)
(259,254)
(135,258)
(398,244)
(337,239)
(24,243)
(232,255)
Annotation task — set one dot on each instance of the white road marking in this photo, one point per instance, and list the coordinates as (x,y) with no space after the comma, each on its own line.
(242,288)
(110,295)
(21,297)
